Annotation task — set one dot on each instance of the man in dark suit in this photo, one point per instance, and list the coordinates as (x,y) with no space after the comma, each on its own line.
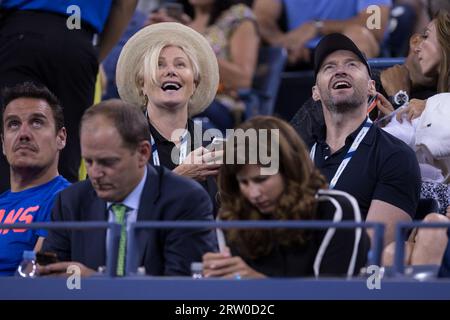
(123,188)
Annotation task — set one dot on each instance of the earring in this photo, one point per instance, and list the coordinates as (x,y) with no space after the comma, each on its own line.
(145,100)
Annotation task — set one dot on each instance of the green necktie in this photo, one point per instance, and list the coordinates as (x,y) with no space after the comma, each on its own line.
(119,211)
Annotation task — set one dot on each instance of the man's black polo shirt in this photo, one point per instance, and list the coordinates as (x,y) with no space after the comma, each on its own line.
(382,168)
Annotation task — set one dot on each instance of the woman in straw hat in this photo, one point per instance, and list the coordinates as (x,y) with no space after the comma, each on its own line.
(230,28)
(171,71)
(430,138)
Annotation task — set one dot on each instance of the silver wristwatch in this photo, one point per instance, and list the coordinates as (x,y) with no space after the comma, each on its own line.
(401,98)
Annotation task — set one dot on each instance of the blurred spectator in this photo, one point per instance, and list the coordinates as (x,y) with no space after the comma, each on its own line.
(402,24)
(407,17)
(424,10)
(434,60)
(429,137)
(434,6)
(293,190)
(64,60)
(109,64)
(308,20)
(426,129)
(33,135)
(408,77)
(146,6)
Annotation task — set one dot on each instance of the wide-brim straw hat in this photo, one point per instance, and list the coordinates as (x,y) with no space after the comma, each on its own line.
(131,61)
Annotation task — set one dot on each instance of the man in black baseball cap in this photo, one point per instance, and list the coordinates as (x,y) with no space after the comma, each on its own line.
(355,156)
(343,76)
(334,42)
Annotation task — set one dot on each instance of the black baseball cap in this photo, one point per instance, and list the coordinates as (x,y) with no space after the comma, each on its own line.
(333,42)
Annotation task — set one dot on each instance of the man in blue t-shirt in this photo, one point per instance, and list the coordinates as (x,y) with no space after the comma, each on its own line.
(307,21)
(32,134)
(59,44)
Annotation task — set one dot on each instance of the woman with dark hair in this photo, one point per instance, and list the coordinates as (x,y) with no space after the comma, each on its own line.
(283,186)
(230,28)
(434,60)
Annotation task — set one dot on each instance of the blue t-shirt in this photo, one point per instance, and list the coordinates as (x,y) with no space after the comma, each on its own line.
(300,11)
(31,205)
(94,12)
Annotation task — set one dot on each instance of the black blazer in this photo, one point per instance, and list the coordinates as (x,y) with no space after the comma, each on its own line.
(165,197)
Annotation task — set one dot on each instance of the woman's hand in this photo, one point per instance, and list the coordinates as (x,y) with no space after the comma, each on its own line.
(384,105)
(200,164)
(226,266)
(412,111)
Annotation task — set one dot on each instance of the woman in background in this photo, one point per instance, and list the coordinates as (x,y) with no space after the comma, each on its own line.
(434,60)
(430,137)
(170,71)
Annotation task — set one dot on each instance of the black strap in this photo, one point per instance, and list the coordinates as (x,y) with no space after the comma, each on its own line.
(160,171)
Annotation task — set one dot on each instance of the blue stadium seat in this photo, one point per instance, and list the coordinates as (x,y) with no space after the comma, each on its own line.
(261,98)
(295,89)
(402,21)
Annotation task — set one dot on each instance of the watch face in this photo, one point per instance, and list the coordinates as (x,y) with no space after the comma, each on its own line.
(401,98)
